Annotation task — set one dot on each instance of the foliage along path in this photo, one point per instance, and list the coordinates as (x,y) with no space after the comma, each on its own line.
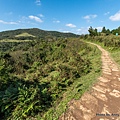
(102,102)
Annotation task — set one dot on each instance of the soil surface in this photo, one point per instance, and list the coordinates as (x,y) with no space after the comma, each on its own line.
(102,102)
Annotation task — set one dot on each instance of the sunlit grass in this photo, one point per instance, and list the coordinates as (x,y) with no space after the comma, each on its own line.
(13,40)
(24,35)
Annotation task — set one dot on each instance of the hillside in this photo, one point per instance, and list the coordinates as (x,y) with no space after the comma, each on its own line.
(38,33)
(34,76)
(39,77)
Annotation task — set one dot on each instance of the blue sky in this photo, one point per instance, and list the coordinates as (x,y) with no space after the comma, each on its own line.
(59,15)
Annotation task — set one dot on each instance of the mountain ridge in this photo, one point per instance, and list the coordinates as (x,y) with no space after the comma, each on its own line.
(39,33)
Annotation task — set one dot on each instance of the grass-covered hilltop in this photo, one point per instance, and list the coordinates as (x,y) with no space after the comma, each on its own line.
(41,71)
(22,34)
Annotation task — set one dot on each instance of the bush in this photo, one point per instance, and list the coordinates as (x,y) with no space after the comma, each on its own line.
(21,99)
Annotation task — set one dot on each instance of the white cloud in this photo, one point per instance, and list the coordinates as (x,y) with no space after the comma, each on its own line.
(79,30)
(93,16)
(56,21)
(10,23)
(66,31)
(41,15)
(38,2)
(71,25)
(37,19)
(106,13)
(88,17)
(23,20)
(99,28)
(82,30)
(115,17)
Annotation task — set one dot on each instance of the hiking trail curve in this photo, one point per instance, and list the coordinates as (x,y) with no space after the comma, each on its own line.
(102,102)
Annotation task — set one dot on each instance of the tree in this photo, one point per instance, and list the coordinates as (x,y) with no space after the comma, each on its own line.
(103,30)
(93,32)
(114,31)
(108,32)
(96,33)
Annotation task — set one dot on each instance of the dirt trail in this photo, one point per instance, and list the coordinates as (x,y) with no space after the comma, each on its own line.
(102,102)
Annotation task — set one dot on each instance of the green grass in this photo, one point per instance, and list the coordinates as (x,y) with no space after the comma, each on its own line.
(114,51)
(13,40)
(116,56)
(24,35)
(76,90)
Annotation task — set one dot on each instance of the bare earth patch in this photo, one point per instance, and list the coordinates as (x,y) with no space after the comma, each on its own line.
(102,102)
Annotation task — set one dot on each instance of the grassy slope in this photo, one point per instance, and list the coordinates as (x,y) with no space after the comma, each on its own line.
(79,87)
(13,40)
(25,35)
(116,56)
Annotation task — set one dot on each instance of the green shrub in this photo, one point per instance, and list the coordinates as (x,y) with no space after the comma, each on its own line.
(22,99)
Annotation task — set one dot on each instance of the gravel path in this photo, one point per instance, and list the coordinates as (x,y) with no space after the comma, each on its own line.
(102,102)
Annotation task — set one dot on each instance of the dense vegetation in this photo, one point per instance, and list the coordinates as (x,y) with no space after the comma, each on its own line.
(114,31)
(40,76)
(107,39)
(94,32)
(35,75)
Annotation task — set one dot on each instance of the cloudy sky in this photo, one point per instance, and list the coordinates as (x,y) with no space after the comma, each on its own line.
(59,15)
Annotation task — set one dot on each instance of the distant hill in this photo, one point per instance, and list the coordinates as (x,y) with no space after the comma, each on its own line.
(33,32)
